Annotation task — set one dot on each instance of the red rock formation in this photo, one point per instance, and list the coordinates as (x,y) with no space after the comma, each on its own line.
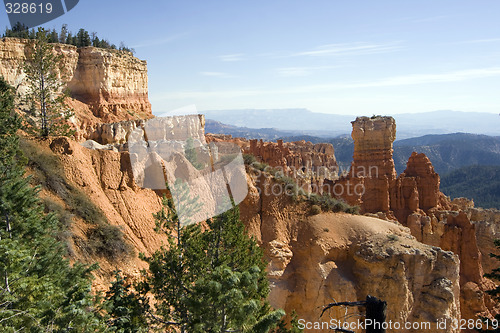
(372,172)
(415,200)
(111,82)
(105,85)
(417,189)
(309,164)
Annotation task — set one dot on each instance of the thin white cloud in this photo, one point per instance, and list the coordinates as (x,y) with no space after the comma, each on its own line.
(357,48)
(160,41)
(301,71)
(461,75)
(232,57)
(217,74)
(477,41)
(403,80)
(431,19)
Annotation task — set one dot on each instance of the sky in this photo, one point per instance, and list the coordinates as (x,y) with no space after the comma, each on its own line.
(342,57)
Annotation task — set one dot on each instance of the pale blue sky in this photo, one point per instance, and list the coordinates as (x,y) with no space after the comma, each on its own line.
(345,57)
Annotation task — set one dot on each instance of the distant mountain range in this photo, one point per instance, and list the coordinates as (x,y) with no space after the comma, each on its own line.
(305,122)
(447,152)
(268,134)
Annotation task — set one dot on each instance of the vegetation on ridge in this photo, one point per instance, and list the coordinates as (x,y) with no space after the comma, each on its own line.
(103,239)
(325,202)
(81,39)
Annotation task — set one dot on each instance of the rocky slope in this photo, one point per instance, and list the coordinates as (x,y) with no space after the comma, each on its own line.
(105,85)
(105,178)
(307,163)
(315,260)
(414,199)
(427,266)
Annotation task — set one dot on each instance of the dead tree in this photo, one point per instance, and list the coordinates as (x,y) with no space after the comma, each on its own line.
(375,314)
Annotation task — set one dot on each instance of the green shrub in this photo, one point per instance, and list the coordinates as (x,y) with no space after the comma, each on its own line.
(81,205)
(392,237)
(249,159)
(328,203)
(315,209)
(107,241)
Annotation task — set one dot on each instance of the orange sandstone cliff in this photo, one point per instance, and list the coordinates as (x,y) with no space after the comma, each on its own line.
(426,257)
(414,199)
(105,85)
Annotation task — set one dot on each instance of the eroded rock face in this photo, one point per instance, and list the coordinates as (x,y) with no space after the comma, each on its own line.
(111,82)
(309,164)
(13,53)
(487,226)
(373,138)
(417,189)
(179,128)
(106,178)
(316,260)
(372,171)
(414,199)
(105,85)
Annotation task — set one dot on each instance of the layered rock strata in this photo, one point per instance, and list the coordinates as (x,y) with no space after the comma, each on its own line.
(372,171)
(111,82)
(310,165)
(414,199)
(316,260)
(105,85)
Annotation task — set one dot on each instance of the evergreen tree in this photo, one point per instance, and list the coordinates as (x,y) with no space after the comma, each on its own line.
(40,291)
(69,38)
(126,309)
(63,35)
(32,34)
(488,324)
(83,38)
(18,30)
(48,113)
(53,37)
(191,154)
(209,280)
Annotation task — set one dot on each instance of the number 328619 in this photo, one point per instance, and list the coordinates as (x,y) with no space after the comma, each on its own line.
(28,8)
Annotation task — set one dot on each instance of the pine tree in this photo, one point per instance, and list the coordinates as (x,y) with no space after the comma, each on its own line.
(488,324)
(210,280)
(39,290)
(232,292)
(83,38)
(63,34)
(126,309)
(53,37)
(48,113)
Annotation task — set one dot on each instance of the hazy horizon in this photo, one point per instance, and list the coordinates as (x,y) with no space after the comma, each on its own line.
(386,57)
